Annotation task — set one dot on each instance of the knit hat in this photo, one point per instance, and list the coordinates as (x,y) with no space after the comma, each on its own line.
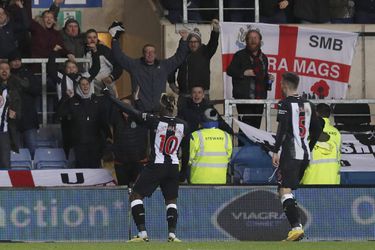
(195,33)
(210,115)
(14,55)
(69,21)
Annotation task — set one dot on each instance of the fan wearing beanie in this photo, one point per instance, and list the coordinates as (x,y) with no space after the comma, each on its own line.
(195,70)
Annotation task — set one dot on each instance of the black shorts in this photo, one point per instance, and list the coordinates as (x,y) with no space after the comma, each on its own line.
(127,172)
(153,175)
(290,172)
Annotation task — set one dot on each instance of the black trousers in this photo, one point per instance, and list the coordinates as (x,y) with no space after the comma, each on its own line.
(127,173)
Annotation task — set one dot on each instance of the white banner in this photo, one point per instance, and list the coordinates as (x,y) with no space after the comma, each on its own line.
(357,151)
(322,58)
(56,178)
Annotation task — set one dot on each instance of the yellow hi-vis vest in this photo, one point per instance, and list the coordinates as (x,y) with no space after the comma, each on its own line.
(210,152)
(324,167)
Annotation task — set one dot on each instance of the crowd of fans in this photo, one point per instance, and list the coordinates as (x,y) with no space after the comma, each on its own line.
(277,11)
(22,36)
(91,126)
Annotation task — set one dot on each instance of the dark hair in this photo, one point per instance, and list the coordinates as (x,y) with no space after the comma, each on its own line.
(147,45)
(323,110)
(91,31)
(291,79)
(168,103)
(197,86)
(83,78)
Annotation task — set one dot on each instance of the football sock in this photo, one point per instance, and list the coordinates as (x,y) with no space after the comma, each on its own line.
(291,210)
(138,212)
(172,216)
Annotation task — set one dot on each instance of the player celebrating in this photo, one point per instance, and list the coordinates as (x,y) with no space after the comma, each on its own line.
(297,121)
(166,135)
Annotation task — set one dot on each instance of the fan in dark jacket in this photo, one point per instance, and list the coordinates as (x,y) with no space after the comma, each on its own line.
(88,116)
(67,80)
(195,70)
(10,111)
(250,78)
(28,124)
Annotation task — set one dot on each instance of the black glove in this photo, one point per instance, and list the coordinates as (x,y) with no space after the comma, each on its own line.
(116,30)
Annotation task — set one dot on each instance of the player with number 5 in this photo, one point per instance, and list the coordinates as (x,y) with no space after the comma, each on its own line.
(298,123)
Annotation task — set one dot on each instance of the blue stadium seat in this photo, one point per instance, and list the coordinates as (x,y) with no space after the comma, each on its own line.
(50,158)
(47,137)
(22,160)
(251,164)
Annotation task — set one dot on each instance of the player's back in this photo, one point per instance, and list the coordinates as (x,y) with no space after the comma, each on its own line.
(296,114)
(166,137)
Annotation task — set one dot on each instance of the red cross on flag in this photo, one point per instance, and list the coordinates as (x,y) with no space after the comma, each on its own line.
(322,58)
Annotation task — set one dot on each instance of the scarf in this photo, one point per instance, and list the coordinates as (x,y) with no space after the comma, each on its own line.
(259,70)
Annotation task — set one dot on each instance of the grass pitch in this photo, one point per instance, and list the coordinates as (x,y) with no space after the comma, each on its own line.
(363,245)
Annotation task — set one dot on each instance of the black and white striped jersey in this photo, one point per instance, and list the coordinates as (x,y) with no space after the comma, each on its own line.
(166,134)
(298,123)
(4,104)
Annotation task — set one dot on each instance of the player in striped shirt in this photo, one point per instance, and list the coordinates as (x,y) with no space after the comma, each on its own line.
(297,123)
(167,132)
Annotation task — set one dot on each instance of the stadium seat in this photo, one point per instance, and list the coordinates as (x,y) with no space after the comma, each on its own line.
(48,137)
(251,164)
(50,158)
(22,160)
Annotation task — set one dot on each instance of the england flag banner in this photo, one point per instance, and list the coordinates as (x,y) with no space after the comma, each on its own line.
(322,58)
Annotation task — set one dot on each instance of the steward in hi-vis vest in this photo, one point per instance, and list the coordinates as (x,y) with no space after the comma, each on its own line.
(210,152)
(324,167)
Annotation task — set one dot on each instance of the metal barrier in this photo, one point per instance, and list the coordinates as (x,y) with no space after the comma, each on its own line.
(43,62)
(221,10)
(229,104)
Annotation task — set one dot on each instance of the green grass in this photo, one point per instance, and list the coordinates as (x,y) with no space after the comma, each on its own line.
(194,246)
